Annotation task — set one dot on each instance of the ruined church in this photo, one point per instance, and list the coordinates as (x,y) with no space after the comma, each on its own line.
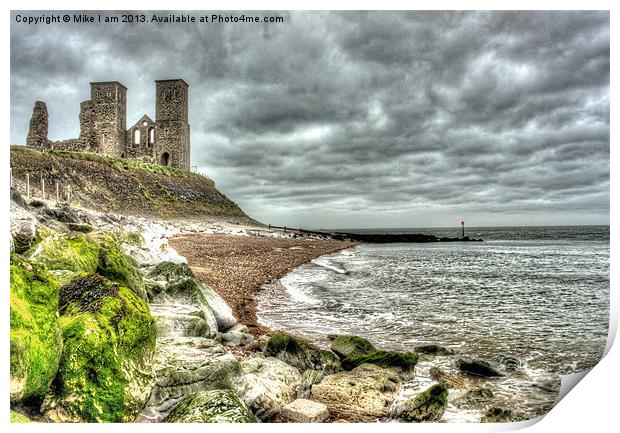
(103,125)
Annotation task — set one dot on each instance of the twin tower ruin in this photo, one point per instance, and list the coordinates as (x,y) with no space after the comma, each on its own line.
(103,125)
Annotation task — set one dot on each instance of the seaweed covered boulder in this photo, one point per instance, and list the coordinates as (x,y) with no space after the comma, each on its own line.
(402,360)
(35,338)
(433,350)
(474,397)
(428,405)
(347,345)
(176,283)
(105,373)
(218,406)
(499,414)
(78,252)
(360,395)
(301,354)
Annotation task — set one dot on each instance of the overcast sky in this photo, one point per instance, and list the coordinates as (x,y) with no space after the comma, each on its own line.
(371,119)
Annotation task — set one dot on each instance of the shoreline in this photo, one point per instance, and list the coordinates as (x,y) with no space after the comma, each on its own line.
(238,267)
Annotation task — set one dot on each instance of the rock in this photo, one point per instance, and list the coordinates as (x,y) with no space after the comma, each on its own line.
(474,397)
(258,345)
(35,337)
(477,367)
(433,349)
(308,379)
(428,405)
(302,410)
(64,214)
(451,380)
(17,417)
(218,406)
(79,227)
(177,320)
(99,254)
(17,198)
(510,362)
(267,385)
(347,345)
(302,355)
(105,373)
(360,395)
(498,414)
(180,286)
(236,338)
(404,360)
(185,366)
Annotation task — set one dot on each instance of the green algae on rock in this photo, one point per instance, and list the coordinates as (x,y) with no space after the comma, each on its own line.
(347,345)
(218,406)
(105,373)
(302,355)
(433,349)
(35,337)
(404,360)
(17,417)
(428,405)
(498,414)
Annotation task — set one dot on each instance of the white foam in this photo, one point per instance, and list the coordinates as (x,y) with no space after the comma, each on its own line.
(324,263)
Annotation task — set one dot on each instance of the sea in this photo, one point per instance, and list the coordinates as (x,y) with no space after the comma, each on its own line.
(538,295)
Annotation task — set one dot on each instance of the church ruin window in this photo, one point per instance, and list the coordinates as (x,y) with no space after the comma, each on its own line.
(151,139)
(136,136)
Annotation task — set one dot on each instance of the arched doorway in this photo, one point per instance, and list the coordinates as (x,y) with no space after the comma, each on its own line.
(165,157)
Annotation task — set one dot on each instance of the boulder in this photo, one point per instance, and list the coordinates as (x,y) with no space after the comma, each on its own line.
(185,366)
(428,405)
(236,338)
(99,254)
(302,410)
(347,345)
(434,350)
(105,373)
(35,334)
(477,367)
(301,354)
(217,406)
(267,385)
(474,397)
(360,395)
(23,228)
(308,379)
(177,320)
(498,414)
(63,214)
(17,417)
(451,380)
(178,285)
(403,360)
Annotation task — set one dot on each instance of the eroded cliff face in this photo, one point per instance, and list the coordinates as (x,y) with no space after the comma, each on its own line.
(108,184)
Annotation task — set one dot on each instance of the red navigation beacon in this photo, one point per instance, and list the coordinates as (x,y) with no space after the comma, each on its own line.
(462,229)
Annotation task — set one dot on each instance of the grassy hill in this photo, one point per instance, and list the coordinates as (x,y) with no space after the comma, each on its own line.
(125,186)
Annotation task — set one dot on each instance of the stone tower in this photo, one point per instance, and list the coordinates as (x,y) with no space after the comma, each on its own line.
(171,124)
(108,105)
(37,133)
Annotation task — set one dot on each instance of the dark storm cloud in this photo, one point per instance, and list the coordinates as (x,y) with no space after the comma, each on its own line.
(361,118)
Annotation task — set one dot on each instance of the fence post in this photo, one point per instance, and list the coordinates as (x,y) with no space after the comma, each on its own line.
(28,185)
(69,194)
(57,193)
(284,229)
(11,176)
(42,188)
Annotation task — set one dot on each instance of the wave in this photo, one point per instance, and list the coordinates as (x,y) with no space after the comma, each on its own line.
(324,263)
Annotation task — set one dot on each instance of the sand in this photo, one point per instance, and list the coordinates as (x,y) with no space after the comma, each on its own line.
(238,266)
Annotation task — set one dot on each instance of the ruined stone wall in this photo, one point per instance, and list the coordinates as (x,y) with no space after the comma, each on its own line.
(37,132)
(87,137)
(109,122)
(171,124)
(142,144)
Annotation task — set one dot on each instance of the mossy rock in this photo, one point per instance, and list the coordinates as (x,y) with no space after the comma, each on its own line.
(474,397)
(105,372)
(433,350)
(347,345)
(477,367)
(35,336)
(405,360)
(219,406)
(498,414)
(17,417)
(301,354)
(171,271)
(428,405)
(78,252)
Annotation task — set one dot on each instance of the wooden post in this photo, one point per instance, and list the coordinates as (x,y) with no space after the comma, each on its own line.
(42,188)
(69,194)
(28,185)
(57,193)
(462,229)
(11,176)
(269,226)
(284,229)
